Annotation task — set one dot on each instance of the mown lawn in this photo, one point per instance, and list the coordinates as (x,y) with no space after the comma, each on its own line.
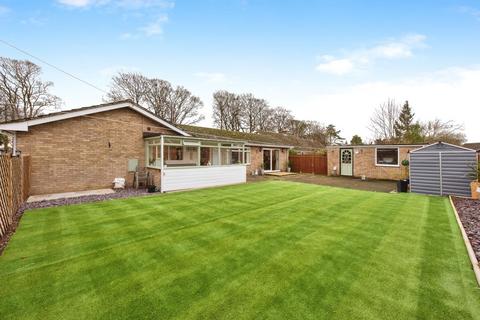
(263,250)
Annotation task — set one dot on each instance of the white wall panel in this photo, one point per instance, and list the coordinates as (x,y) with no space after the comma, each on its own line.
(201,177)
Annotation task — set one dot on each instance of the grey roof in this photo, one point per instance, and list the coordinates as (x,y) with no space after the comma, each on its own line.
(472,145)
(254,139)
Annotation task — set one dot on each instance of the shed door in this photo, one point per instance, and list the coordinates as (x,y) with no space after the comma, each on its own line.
(346,162)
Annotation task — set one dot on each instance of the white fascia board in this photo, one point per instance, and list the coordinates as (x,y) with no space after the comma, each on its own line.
(268,146)
(23,126)
(15,126)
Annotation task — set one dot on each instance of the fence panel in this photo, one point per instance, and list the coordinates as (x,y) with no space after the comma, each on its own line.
(309,163)
(14,186)
(26,172)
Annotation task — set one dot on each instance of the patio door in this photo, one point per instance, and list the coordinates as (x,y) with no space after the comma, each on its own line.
(346,162)
(271,159)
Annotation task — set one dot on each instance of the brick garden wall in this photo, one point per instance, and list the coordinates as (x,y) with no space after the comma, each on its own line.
(85,152)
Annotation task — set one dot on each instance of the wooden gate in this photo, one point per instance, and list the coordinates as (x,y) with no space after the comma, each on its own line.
(314,163)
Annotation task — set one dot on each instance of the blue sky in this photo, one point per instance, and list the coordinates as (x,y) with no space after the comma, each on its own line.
(331,61)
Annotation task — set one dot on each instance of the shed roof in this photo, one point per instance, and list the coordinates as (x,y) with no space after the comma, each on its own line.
(442,147)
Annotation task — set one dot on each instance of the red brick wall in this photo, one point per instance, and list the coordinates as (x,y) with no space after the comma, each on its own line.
(364,163)
(85,152)
(256,159)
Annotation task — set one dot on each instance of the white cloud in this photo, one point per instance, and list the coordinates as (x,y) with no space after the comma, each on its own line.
(336,66)
(155,27)
(146,10)
(388,50)
(212,77)
(137,4)
(4,10)
(77,3)
(128,4)
(449,94)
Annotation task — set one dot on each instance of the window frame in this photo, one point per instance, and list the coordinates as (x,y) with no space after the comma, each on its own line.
(387,165)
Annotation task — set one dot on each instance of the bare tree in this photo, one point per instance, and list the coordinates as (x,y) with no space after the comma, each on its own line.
(265,123)
(227,111)
(251,110)
(446,131)
(299,128)
(23,95)
(176,105)
(281,119)
(158,97)
(128,85)
(184,107)
(382,123)
(317,132)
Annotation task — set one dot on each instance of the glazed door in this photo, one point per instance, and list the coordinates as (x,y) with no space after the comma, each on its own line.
(346,162)
(267,160)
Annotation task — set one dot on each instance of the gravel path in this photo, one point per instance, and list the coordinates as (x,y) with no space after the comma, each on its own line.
(469,212)
(119,194)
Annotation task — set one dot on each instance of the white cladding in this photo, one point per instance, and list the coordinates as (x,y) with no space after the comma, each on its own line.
(182,178)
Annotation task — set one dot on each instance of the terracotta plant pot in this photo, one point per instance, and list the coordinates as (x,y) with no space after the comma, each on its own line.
(475,186)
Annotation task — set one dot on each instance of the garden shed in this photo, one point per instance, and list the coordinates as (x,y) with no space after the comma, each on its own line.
(442,169)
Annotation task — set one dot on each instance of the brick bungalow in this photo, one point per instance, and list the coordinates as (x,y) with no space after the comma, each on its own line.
(371,161)
(87,148)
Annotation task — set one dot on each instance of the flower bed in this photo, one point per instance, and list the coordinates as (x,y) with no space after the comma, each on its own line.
(469,212)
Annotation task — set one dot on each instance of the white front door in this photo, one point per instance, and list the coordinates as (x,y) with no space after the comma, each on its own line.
(346,162)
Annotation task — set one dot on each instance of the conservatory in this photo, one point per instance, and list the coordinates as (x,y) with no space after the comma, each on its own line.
(188,162)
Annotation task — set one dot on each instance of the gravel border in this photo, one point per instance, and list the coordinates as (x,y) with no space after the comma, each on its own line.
(119,194)
(469,212)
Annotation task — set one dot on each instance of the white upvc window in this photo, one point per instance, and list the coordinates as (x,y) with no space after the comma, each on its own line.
(387,157)
(191,152)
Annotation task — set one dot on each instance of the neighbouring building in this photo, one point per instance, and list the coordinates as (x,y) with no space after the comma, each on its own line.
(474,146)
(369,161)
(87,148)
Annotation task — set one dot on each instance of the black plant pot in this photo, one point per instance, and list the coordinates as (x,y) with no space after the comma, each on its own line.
(151,189)
(402,185)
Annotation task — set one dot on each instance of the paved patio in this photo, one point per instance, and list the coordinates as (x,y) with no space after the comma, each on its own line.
(343,182)
(65,195)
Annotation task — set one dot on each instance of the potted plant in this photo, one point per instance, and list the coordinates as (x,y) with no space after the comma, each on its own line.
(474,174)
(150,185)
(289,166)
(402,184)
(262,165)
(406,164)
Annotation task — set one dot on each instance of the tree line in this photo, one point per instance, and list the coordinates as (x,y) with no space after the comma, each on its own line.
(24,95)
(394,123)
(247,113)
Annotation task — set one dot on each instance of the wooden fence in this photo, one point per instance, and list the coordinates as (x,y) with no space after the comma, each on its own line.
(14,188)
(314,163)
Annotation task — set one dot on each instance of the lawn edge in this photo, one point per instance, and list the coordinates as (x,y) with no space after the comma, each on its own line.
(471,254)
